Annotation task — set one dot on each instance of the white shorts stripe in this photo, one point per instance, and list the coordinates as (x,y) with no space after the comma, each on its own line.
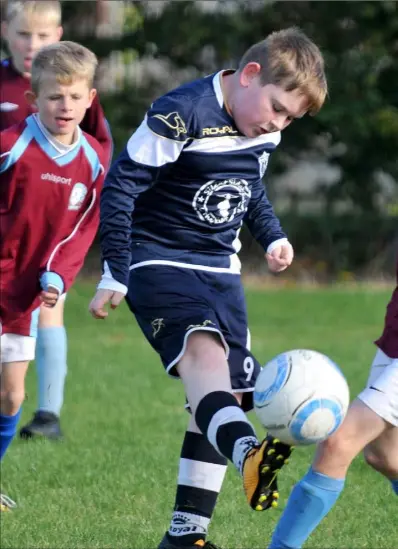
(184,345)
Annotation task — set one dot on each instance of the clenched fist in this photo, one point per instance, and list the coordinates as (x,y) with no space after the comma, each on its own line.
(280,257)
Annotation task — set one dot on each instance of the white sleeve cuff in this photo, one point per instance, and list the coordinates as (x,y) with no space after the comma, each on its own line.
(276,244)
(107,282)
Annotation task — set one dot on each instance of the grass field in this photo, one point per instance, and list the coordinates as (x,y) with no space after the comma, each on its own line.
(111,483)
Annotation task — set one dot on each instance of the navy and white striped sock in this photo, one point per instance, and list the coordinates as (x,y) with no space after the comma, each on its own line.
(200,477)
(226,426)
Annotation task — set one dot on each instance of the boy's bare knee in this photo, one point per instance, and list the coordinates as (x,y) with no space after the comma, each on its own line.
(203,367)
(339,446)
(11,401)
(335,454)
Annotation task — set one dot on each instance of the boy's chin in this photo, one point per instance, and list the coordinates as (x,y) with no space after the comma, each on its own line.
(62,132)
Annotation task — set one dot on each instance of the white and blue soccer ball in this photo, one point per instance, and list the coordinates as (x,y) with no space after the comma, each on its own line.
(301,397)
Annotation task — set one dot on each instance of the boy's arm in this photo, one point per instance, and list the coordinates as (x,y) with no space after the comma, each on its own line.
(95,124)
(68,256)
(8,157)
(158,141)
(8,139)
(261,220)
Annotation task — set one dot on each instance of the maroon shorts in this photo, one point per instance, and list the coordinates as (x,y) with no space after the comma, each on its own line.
(25,325)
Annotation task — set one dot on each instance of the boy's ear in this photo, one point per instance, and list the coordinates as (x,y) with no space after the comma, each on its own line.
(92,94)
(4,30)
(30,97)
(249,71)
(60,32)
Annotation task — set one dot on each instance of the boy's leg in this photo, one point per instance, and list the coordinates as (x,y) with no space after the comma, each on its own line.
(202,467)
(382,455)
(16,351)
(316,493)
(205,373)
(370,416)
(381,395)
(200,477)
(51,367)
(184,321)
(12,394)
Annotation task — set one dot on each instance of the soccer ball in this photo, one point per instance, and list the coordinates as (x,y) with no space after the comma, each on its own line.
(301,397)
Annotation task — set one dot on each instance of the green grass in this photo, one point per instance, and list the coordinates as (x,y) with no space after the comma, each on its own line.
(111,483)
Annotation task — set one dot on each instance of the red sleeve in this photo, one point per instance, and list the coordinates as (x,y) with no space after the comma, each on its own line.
(95,124)
(6,181)
(8,138)
(68,256)
(3,146)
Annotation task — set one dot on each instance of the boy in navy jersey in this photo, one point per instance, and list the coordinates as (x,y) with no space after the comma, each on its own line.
(51,176)
(171,211)
(27,26)
(371,426)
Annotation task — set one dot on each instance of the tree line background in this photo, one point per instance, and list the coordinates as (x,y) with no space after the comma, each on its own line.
(333,179)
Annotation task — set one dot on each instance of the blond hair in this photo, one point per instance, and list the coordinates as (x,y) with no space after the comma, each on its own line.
(289,59)
(67,61)
(44,8)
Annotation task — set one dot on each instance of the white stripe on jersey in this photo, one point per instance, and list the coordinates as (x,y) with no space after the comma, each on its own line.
(148,148)
(231,143)
(72,234)
(233,269)
(218,89)
(109,283)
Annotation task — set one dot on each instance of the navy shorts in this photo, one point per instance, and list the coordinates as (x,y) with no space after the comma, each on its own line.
(170,303)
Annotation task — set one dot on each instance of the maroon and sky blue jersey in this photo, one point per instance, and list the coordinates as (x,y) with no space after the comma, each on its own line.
(49,206)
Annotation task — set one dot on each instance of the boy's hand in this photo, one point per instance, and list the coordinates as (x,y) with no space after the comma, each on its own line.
(49,297)
(101,298)
(280,258)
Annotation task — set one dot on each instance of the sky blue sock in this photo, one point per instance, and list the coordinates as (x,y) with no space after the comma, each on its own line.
(394,484)
(51,351)
(311,499)
(8,429)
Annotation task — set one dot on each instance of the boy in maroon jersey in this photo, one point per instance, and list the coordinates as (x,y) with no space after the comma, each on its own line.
(371,427)
(51,176)
(28,26)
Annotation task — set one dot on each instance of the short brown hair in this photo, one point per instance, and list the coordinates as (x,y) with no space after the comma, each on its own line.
(43,8)
(289,59)
(67,61)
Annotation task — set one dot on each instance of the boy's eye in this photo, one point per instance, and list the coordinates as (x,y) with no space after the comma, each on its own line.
(23,34)
(43,36)
(76,97)
(277,108)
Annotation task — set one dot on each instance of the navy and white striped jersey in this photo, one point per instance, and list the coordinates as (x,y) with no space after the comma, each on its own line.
(180,191)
